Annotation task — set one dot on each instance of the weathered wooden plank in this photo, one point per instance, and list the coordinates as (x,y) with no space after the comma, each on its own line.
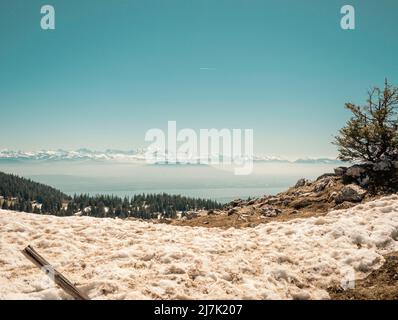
(56,276)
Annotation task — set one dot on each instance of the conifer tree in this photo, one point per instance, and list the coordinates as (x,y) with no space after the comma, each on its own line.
(371,134)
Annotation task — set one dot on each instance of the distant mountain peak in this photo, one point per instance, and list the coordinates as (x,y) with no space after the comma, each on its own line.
(128,156)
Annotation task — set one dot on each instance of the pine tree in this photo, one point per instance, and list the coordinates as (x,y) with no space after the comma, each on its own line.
(371,134)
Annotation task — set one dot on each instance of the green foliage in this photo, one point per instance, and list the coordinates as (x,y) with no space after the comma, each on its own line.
(371,134)
(53,201)
(26,191)
(143,206)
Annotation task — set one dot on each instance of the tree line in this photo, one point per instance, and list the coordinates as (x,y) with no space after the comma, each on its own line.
(22,194)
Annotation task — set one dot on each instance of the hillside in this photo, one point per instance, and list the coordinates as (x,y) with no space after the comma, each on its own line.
(124,259)
(340,190)
(22,194)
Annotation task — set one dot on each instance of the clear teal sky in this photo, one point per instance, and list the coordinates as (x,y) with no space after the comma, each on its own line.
(113,69)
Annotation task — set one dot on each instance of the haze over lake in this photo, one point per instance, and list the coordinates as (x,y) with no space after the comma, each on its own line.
(126,179)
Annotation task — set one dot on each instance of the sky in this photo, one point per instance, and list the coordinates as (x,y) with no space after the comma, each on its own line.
(111,70)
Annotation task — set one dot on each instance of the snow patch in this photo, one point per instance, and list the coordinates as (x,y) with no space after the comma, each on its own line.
(121,259)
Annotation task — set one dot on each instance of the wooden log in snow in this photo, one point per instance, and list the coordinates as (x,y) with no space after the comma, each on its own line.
(57,277)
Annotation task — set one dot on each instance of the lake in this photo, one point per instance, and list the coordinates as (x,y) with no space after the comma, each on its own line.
(126,179)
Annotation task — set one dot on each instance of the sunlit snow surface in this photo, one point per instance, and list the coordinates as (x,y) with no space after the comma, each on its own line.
(116,259)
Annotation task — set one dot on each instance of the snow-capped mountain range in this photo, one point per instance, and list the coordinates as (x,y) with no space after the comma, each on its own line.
(80,154)
(124,156)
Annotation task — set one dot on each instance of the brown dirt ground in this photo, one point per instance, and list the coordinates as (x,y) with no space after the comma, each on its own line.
(240,221)
(301,202)
(381,284)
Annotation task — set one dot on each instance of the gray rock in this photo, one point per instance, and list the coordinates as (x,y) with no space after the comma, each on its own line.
(270,212)
(321,184)
(340,171)
(355,171)
(300,183)
(191,215)
(351,192)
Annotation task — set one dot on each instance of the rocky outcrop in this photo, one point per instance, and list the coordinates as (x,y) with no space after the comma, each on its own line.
(270,211)
(300,183)
(306,196)
(344,188)
(351,193)
(324,182)
(340,171)
(375,177)
(341,189)
(355,171)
